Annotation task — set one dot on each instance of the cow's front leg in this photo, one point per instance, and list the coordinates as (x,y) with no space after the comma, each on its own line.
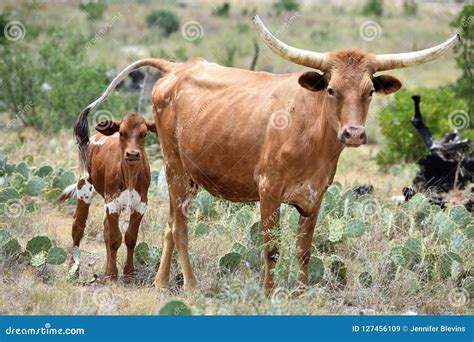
(130,241)
(305,238)
(270,216)
(113,240)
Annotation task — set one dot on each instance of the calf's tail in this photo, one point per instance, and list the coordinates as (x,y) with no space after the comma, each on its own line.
(81,128)
(68,193)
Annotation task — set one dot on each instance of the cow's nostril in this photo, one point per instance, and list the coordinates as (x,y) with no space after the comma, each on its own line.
(346,134)
(133,154)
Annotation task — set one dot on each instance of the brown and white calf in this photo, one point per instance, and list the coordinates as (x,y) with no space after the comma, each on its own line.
(117,168)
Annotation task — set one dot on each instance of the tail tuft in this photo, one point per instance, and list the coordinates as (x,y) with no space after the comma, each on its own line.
(81,133)
(68,193)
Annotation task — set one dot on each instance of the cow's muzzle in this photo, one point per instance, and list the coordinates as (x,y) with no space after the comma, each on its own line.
(352,136)
(132,156)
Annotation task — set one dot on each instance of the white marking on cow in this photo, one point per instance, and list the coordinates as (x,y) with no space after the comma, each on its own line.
(128,202)
(262,183)
(313,194)
(101,141)
(86,192)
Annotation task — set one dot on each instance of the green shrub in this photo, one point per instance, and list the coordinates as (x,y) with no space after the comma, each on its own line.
(410,7)
(167,21)
(373,7)
(402,141)
(286,5)
(94,8)
(465,53)
(222,10)
(48,89)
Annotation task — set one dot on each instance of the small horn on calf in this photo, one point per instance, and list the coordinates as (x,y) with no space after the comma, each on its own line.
(303,57)
(403,60)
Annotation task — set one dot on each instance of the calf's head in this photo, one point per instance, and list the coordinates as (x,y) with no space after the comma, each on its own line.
(132,129)
(348,81)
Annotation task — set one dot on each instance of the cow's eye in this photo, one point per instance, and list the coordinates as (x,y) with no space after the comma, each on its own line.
(371,92)
(330,91)
(144,134)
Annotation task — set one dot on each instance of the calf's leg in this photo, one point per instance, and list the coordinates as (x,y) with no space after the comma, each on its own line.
(113,240)
(131,241)
(78,225)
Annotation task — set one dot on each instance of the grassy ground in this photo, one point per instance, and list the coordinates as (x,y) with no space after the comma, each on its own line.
(28,290)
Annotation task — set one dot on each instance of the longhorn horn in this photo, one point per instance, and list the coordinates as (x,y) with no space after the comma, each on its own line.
(303,57)
(407,59)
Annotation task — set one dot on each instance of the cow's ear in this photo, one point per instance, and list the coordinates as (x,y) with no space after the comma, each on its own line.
(150,125)
(312,81)
(385,84)
(107,127)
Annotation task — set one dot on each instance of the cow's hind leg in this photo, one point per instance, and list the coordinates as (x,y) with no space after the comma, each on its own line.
(131,241)
(113,240)
(181,195)
(79,224)
(163,276)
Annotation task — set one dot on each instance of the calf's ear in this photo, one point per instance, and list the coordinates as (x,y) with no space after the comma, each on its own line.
(107,127)
(150,125)
(385,84)
(312,81)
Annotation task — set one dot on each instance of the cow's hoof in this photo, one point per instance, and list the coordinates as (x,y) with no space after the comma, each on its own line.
(111,279)
(162,283)
(189,285)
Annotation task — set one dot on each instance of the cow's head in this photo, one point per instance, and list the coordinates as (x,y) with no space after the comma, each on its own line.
(132,129)
(348,79)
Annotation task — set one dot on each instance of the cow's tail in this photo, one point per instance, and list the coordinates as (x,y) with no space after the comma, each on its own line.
(68,193)
(81,128)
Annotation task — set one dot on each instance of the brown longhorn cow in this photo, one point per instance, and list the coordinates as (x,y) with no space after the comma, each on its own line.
(117,169)
(255,136)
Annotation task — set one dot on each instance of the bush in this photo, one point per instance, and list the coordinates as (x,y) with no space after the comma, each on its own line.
(47,90)
(287,5)
(167,21)
(94,8)
(222,10)
(465,53)
(402,141)
(373,7)
(410,7)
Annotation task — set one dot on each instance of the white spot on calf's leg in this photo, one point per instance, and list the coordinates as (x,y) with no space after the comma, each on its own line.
(128,201)
(86,192)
